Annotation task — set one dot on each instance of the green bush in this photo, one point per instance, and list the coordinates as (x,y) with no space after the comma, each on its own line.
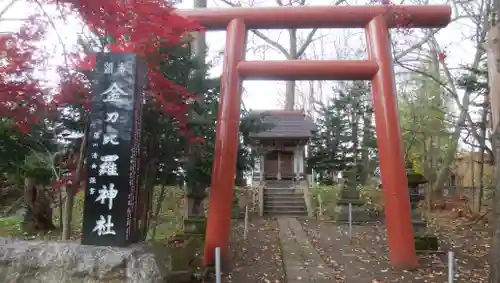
(373,198)
(327,195)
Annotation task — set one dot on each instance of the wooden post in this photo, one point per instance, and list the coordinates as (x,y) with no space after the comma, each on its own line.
(262,160)
(296,162)
(278,176)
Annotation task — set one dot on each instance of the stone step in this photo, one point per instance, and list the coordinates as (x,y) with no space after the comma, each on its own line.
(291,202)
(283,196)
(274,210)
(279,184)
(281,192)
(284,201)
(286,213)
(266,187)
(273,189)
(274,204)
(285,208)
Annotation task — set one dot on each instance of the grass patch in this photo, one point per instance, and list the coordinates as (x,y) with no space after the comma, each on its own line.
(374,199)
(328,196)
(324,200)
(11,226)
(169,218)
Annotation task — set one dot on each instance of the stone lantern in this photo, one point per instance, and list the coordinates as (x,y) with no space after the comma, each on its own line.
(423,240)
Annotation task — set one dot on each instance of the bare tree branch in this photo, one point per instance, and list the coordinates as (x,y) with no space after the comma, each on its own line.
(307,42)
(272,43)
(416,45)
(424,40)
(258,33)
(2,12)
(451,91)
(309,39)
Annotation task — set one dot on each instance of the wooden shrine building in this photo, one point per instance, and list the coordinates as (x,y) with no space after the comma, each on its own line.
(281,145)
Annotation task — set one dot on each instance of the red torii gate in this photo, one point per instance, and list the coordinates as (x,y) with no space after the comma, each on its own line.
(376,20)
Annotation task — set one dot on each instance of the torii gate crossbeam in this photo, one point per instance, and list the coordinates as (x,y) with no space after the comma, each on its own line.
(376,20)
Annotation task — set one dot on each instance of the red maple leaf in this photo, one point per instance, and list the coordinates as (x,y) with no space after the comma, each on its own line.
(153,24)
(442,56)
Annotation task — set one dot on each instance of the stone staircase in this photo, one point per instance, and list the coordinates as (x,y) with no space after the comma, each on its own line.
(283,198)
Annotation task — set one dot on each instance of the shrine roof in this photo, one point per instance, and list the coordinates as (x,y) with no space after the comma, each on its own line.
(284,124)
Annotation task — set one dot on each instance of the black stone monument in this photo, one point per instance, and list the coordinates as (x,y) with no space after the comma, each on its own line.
(110,210)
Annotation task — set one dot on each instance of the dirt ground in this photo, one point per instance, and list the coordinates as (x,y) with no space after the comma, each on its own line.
(365,260)
(258,259)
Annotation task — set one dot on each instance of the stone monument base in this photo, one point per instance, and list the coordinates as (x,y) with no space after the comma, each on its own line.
(359,212)
(426,243)
(55,262)
(184,251)
(236,212)
(195,225)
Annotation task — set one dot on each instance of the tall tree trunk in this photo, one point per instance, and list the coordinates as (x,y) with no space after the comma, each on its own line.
(464,116)
(431,159)
(494,256)
(156,216)
(38,215)
(60,206)
(290,85)
(200,44)
(493,50)
(75,185)
(482,146)
(355,142)
(427,173)
(196,190)
(146,198)
(365,158)
(451,151)
(436,122)
(194,206)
